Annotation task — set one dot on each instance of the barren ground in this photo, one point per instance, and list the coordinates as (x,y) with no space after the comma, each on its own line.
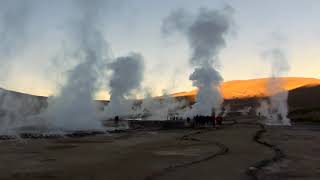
(226,153)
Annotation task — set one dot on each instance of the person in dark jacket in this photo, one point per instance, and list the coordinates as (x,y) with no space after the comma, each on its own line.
(213,121)
(116,121)
(219,120)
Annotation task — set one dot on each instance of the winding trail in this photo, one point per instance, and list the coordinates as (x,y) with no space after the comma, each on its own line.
(278,154)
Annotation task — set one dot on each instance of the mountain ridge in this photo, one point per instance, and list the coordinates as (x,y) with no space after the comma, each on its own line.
(234,89)
(254,87)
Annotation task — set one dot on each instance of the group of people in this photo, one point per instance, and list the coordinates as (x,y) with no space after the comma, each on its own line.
(196,121)
(206,121)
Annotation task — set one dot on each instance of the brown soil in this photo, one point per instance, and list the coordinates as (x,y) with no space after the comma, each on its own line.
(164,155)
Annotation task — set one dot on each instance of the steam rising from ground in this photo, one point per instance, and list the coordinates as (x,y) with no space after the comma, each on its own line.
(127,75)
(15,19)
(73,108)
(15,110)
(276,108)
(206,33)
(161,108)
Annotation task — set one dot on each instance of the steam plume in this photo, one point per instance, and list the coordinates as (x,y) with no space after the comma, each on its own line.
(15,110)
(73,108)
(161,108)
(276,109)
(206,33)
(127,75)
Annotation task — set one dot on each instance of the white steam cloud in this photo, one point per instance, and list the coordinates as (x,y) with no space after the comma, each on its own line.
(161,108)
(127,75)
(73,108)
(15,109)
(206,34)
(276,108)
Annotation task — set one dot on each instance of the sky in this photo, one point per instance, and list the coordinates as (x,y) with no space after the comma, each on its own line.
(135,26)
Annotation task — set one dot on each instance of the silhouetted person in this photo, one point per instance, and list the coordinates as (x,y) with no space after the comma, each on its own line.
(196,120)
(219,120)
(188,120)
(116,121)
(213,121)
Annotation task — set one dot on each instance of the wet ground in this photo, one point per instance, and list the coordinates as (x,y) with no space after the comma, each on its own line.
(224,153)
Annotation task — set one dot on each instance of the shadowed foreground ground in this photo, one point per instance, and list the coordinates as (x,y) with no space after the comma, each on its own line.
(173,154)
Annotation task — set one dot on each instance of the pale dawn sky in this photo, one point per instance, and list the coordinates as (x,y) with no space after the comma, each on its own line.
(135,26)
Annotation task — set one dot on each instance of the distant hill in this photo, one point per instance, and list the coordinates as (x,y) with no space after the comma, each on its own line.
(254,87)
(304,94)
(303,99)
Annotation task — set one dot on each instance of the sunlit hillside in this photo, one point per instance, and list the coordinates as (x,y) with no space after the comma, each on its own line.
(255,87)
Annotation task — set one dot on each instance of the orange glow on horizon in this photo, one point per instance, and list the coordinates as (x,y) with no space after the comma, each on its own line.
(230,89)
(255,87)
